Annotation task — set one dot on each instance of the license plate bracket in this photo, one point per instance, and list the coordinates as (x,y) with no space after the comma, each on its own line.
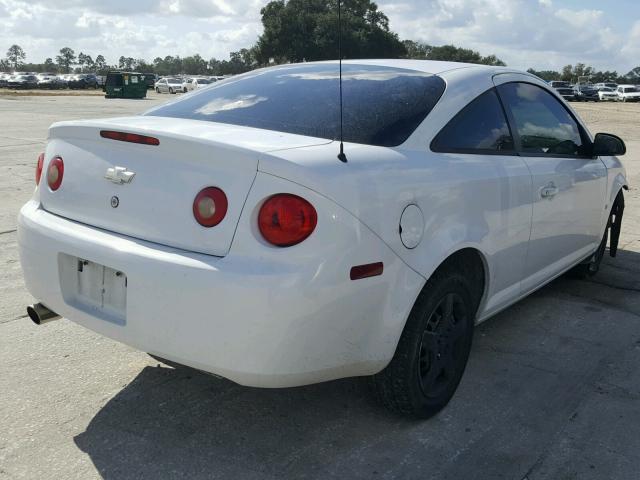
(94,288)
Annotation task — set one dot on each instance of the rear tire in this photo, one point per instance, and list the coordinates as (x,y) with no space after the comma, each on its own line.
(433,350)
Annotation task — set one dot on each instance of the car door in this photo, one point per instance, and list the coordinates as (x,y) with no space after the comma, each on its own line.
(568,184)
(482,187)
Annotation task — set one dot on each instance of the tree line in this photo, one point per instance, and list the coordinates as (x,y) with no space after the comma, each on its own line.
(296,31)
(574,73)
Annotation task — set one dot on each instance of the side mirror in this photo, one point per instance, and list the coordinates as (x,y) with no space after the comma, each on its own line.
(607,145)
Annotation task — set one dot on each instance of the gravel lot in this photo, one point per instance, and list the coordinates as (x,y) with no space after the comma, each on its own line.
(552,389)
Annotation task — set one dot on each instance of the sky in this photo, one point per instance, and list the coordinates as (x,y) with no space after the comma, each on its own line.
(543,34)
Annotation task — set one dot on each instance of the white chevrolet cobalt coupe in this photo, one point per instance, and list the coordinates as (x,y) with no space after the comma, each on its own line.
(222,231)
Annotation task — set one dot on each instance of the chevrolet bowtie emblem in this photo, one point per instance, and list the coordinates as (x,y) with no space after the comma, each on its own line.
(119,175)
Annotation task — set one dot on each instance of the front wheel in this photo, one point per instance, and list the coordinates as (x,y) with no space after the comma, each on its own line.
(433,349)
(171,91)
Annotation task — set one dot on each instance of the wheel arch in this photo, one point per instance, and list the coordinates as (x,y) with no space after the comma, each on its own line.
(473,263)
(470,260)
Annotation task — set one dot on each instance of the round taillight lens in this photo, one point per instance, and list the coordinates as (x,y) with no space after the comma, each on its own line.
(285,219)
(39,166)
(210,206)
(55,172)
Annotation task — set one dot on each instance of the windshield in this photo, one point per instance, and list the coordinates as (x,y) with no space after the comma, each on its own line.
(630,90)
(382,105)
(203,82)
(174,80)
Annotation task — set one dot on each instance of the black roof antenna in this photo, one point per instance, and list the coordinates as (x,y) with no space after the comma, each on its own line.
(341,156)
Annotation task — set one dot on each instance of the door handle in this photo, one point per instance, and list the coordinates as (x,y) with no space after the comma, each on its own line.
(549,190)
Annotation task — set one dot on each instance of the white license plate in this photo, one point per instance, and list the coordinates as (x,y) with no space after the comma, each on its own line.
(94,288)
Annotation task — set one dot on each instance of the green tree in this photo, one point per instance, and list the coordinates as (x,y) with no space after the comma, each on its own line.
(299,30)
(100,64)
(84,60)
(634,75)
(127,63)
(451,53)
(15,56)
(66,58)
(143,66)
(416,50)
(194,65)
(49,66)
(547,75)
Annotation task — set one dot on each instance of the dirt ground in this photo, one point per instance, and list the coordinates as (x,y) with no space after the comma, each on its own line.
(551,392)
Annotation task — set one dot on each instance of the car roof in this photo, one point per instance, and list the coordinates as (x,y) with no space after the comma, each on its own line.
(435,67)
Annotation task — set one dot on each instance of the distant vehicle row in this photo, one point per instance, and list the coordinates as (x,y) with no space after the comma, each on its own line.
(51,81)
(605,91)
(184,85)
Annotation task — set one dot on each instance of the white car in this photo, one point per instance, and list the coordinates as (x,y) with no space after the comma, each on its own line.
(607,93)
(168,85)
(226,231)
(185,83)
(628,93)
(197,83)
(600,85)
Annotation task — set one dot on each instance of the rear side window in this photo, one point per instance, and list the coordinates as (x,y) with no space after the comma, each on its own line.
(382,105)
(543,124)
(480,127)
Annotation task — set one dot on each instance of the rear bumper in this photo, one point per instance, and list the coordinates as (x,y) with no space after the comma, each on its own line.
(249,318)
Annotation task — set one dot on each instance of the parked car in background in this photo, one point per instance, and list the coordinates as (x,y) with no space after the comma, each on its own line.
(4,78)
(600,85)
(23,81)
(185,84)
(628,93)
(197,83)
(49,81)
(83,81)
(564,88)
(607,94)
(150,80)
(585,93)
(244,245)
(169,85)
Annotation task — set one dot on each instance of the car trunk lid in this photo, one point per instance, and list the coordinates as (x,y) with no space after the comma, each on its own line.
(157,204)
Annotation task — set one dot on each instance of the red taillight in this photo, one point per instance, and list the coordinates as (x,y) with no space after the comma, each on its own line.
(129,137)
(55,173)
(285,220)
(39,166)
(210,206)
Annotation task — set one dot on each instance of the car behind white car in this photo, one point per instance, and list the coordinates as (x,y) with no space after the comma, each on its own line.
(223,231)
(607,94)
(196,84)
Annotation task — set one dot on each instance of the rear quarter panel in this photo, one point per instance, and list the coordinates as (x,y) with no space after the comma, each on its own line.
(478,201)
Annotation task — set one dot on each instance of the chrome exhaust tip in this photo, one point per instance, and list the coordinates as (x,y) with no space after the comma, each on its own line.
(40,314)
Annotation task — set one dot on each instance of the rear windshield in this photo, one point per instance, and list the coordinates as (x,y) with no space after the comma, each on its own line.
(382,105)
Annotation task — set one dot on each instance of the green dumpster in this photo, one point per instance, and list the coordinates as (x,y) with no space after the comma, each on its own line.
(125,85)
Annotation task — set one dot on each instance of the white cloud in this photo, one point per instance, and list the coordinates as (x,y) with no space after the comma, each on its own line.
(523,33)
